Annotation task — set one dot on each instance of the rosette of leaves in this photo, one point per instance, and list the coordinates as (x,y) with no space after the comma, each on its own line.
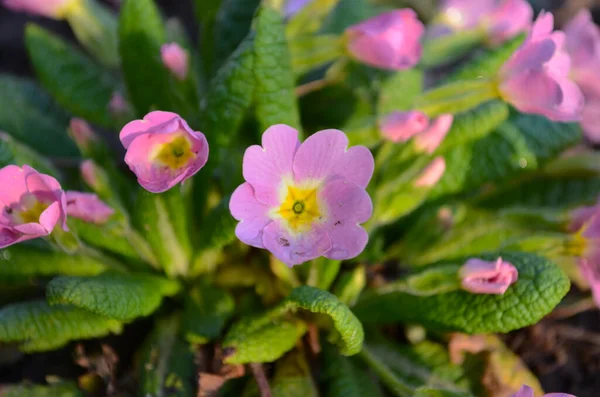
(172,260)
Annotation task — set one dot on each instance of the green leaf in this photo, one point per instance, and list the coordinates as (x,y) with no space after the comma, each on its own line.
(310,18)
(275,84)
(232,24)
(350,12)
(399,91)
(521,144)
(166,365)
(76,82)
(445,49)
(62,389)
(314,300)
(21,261)
(456,97)
(37,327)
(141,34)
(14,152)
(350,285)
(29,115)
(540,287)
(218,227)
(310,52)
(206,12)
(260,339)
(113,295)
(344,378)
(427,391)
(488,62)
(323,272)
(162,219)
(207,310)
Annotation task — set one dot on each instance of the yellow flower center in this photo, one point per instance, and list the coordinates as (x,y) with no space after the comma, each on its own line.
(575,245)
(32,214)
(70,8)
(300,208)
(176,153)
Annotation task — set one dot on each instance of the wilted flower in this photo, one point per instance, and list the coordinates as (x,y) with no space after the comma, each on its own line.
(176,59)
(304,200)
(401,126)
(583,46)
(429,140)
(432,173)
(87,206)
(56,9)
(484,277)
(162,150)
(536,79)
(526,391)
(32,205)
(292,7)
(388,41)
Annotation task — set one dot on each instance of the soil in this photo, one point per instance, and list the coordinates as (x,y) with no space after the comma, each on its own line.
(563,352)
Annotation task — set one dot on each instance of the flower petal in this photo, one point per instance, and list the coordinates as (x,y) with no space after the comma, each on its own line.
(348,206)
(324,156)
(253,215)
(265,167)
(294,250)
(137,127)
(9,237)
(12,180)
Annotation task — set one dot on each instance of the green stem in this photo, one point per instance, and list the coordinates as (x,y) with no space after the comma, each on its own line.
(457,97)
(388,378)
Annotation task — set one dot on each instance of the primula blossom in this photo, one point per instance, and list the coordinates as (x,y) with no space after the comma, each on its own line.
(56,9)
(88,207)
(388,41)
(501,20)
(587,246)
(162,150)
(484,277)
(176,59)
(583,46)
(536,79)
(526,391)
(31,205)
(402,126)
(304,200)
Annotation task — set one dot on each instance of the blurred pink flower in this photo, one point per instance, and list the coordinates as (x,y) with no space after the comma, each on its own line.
(536,79)
(89,173)
(55,9)
(464,14)
(88,207)
(388,41)
(82,133)
(401,126)
(32,204)
(304,200)
(507,20)
(162,150)
(583,45)
(176,59)
(118,105)
(526,391)
(580,216)
(483,277)
(430,139)
(432,173)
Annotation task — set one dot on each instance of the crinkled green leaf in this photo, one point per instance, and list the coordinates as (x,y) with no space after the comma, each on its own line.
(163,221)
(75,81)
(25,390)
(141,34)
(36,326)
(232,24)
(21,261)
(275,84)
(29,115)
(261,339)
(488,62)
(14,152)
(344,378)
(114,295)
(540,287)
(399,91)
(314,300)
(166,365)
(207,310)
(522,143)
